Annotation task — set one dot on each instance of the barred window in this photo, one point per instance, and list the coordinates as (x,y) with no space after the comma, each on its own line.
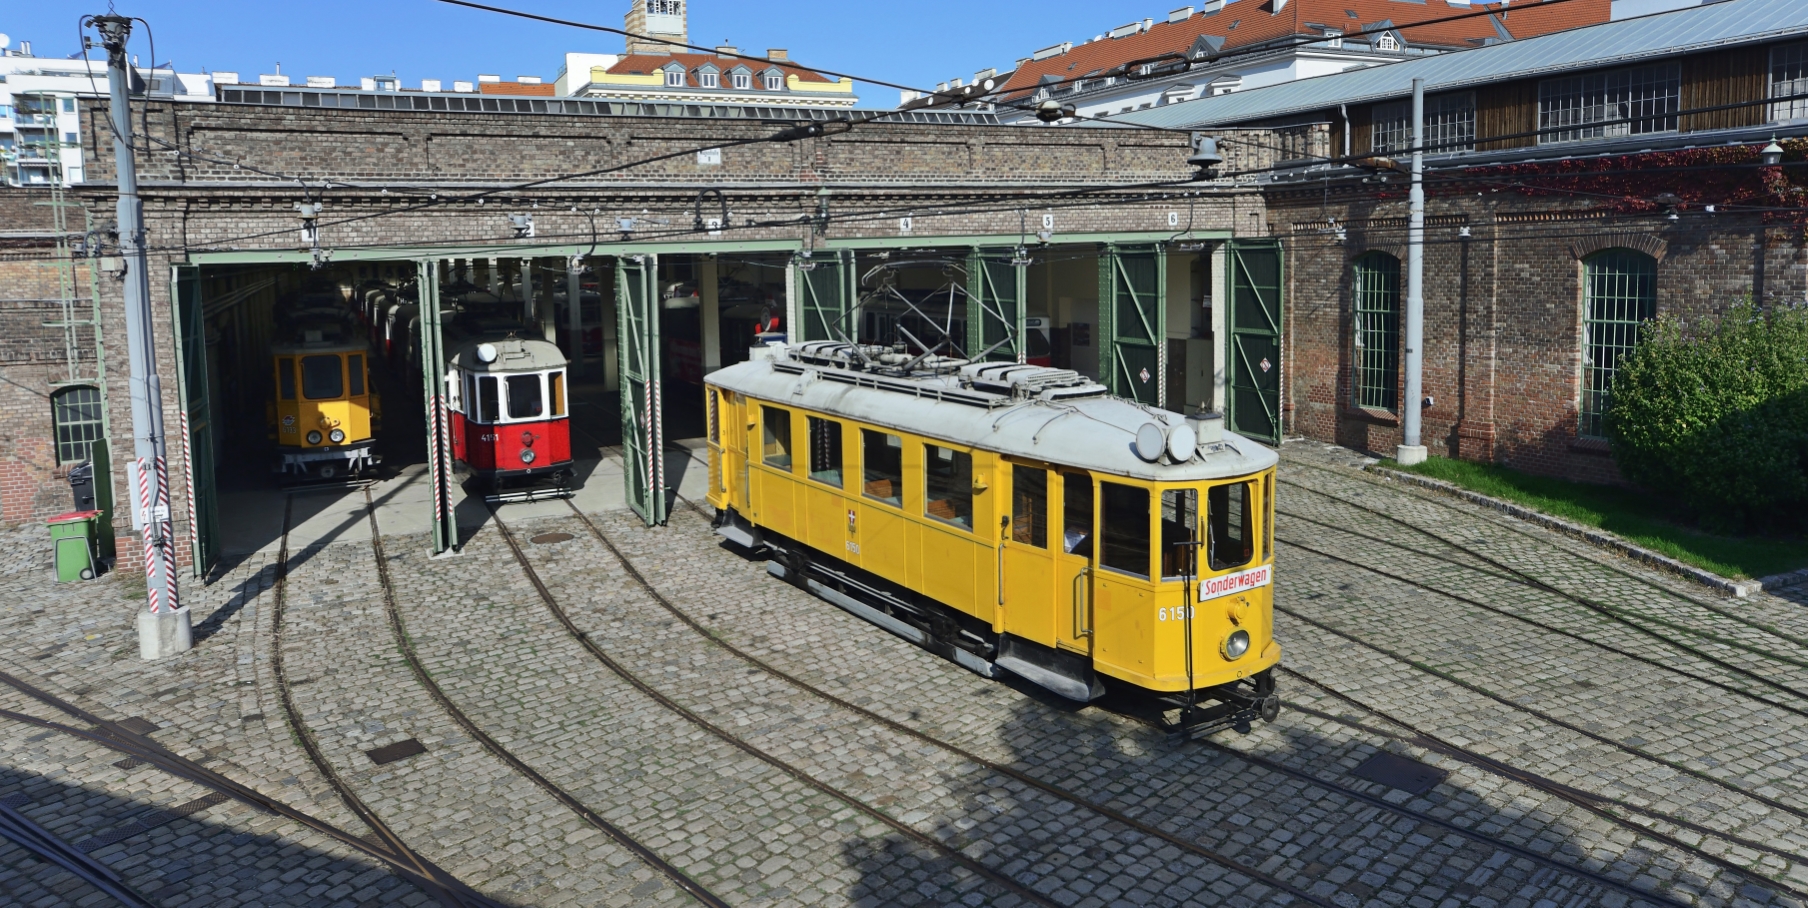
(75,414)
(825,451)
(1621,102)
(1619,293)
(1449,124)
(1376,288)
(1788,80)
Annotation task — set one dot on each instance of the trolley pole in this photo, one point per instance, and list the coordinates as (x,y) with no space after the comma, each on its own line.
(1410,450)
(163,627)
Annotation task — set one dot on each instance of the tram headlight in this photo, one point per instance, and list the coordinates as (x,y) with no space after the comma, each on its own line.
(314,437)
(337,435)
(1236,645)
(527,456)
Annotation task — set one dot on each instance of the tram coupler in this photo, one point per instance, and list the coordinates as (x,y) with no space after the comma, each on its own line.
(1237,708)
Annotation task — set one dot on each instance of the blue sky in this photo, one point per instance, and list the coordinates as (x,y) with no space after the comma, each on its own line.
(917,44)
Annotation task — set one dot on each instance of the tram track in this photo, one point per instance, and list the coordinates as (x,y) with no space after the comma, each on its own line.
(1436,501)
(1353,795)
(405,645)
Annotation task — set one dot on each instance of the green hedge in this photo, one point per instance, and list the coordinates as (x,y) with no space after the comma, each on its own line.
(1716,413)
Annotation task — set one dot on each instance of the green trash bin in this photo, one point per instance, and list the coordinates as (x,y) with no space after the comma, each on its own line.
(72,544)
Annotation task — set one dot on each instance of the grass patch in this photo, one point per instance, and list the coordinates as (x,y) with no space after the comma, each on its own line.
(1638,517)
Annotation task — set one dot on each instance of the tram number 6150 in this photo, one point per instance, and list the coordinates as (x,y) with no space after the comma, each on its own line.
(1177,613)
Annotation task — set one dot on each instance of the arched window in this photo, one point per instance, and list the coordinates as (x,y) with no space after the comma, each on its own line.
(1375,287)
(1619,292)
(75,415)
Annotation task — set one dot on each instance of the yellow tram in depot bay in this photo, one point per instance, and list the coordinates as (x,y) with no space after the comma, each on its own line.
(1009,517)
(325,412)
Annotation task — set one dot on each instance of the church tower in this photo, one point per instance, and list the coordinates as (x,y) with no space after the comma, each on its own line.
(657,18)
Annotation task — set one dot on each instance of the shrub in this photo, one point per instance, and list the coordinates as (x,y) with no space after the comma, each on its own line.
(1716,413)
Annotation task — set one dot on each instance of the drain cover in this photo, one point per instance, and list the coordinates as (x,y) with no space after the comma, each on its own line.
(1403,773)
(400,750)
(550,538)
(138,726)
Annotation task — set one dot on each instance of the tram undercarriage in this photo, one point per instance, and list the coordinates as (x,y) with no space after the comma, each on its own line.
(971,644)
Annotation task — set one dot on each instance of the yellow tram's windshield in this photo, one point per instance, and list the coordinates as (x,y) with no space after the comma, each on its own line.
(1179,531)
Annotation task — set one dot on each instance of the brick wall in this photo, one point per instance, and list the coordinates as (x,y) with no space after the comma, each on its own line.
(1503,312)
(32,358)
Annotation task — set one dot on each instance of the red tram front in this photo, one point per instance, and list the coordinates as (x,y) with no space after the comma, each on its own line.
(510,418)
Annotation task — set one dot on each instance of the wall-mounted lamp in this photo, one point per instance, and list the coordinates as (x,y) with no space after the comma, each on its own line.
(1205,158)
(1771,155)
(523,225)
(1462,233)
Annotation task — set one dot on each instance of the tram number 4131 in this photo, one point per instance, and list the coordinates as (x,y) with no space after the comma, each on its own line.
(1177,613)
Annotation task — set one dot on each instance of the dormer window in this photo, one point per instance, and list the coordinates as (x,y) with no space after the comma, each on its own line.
(709,80)
(1333,38)
(742,80)
(674,78)
(1387,42)
(774,81)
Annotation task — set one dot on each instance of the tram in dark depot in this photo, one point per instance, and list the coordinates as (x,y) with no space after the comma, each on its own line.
(511,418)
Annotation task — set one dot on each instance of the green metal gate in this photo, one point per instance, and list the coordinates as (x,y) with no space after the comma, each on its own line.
(438,411)
(827,291)
(1255,339)
(1133,359)
(643,432)
(196,431)
(995,306)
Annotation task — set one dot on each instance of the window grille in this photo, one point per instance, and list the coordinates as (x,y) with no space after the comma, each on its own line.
(1619,293)
(1788,77)
(75,414)
(1387,42)
(665,7)
(1621,102)
(1376,285)
(1449,125)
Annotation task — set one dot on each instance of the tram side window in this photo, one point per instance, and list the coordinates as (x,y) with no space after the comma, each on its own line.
(882,454)
(322,377)
(1124,528)
(825,451)
(948,485)
(1076,508)
(1232,539)
(355,369)
(777,447)
(526,399)
(1268,516)
(1179,528)
(715,428)
(489,403)
(555,383)
(1029,506)
(285,378)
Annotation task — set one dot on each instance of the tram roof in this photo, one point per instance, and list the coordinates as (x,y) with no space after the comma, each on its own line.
(513,354)
(1075,423)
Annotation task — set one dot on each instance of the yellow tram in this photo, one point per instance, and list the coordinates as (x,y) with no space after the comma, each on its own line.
(324,413)
(1010,517)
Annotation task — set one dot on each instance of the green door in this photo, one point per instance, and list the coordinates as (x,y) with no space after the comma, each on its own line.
(995,304)
(1254,401)
(196,433)
(643,434)
(100,455)
(439,415)
(1133,358)
(827,290)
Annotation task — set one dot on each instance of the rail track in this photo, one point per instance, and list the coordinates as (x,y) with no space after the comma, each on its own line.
(1052,790)
(406,646)
(1587,800)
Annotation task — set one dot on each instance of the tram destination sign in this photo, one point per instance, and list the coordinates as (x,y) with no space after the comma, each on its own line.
(1241,581)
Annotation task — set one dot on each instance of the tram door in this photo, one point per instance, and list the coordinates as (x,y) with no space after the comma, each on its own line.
(1047,558)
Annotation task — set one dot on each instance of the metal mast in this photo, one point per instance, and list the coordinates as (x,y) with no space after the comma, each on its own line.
(1410,450)
(163,628)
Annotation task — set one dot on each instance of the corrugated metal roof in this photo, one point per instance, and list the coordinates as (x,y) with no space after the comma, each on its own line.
(1608,44)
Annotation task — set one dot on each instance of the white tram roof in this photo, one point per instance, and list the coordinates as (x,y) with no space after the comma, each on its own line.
(1051,415)
(513,354)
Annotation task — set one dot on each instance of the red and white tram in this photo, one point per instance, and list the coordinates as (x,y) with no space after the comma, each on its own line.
(511,421)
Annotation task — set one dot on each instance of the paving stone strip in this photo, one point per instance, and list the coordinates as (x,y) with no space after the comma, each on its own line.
(686,580)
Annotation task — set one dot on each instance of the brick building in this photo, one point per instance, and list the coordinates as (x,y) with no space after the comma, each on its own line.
(1577,184)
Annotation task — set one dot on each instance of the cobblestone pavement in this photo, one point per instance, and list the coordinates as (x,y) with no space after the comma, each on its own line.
(1606,700)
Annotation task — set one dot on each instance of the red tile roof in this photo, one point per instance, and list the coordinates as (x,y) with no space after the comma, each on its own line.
(1245,23)
(642,64)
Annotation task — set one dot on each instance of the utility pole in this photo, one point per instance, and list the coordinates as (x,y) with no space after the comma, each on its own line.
(1410,450)
(163,627)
